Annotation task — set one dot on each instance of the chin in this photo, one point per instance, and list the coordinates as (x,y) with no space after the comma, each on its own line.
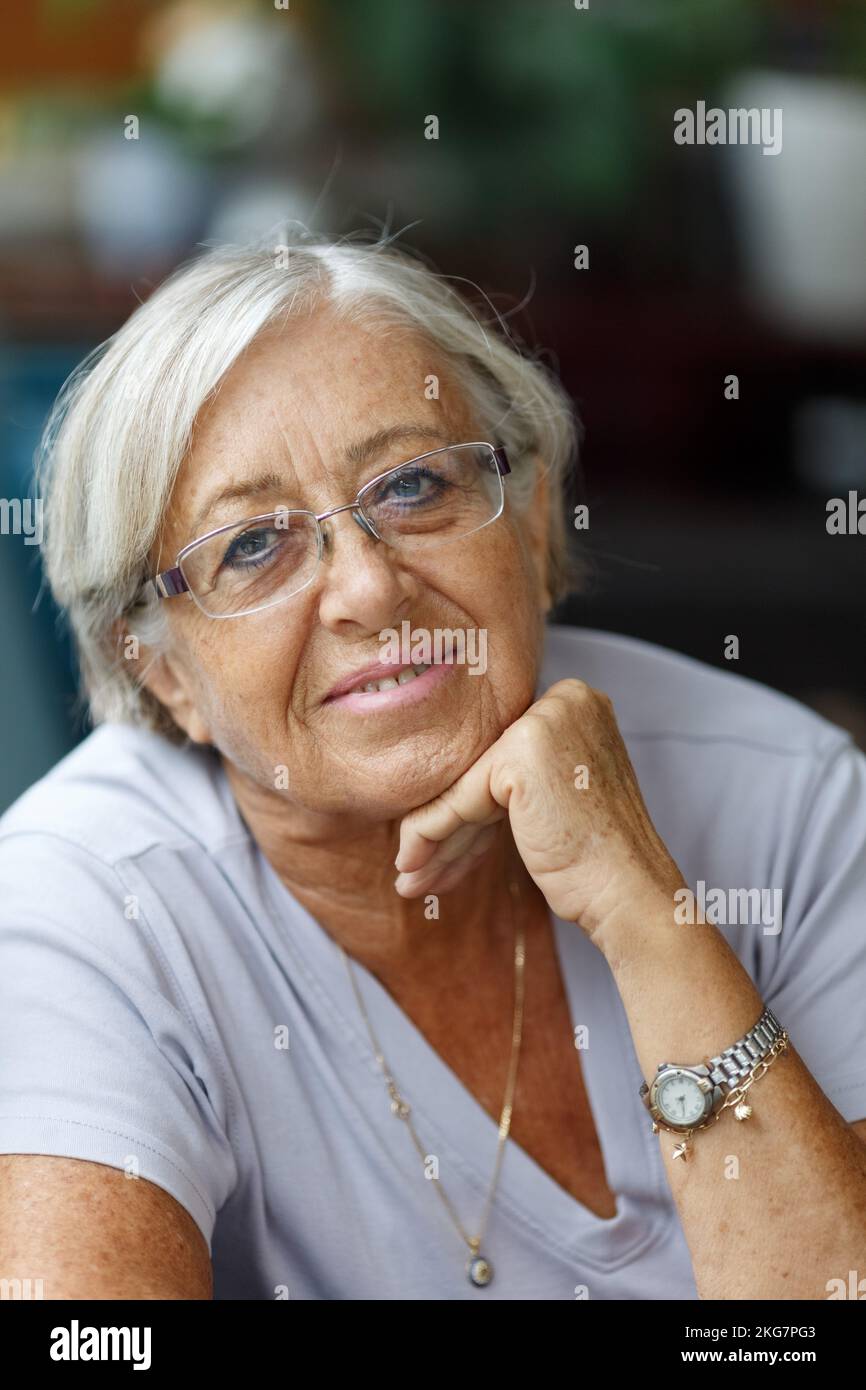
(388,792)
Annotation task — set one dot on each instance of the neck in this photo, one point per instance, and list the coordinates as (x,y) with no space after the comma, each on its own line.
(342,871)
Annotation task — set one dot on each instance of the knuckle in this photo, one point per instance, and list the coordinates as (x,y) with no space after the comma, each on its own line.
(579,691)
(572,687)
(523,735)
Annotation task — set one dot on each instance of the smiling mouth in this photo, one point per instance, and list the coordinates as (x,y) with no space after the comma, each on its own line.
(404,677)
(407,685)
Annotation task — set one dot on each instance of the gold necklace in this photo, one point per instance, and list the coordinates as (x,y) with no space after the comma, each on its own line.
(478,1267)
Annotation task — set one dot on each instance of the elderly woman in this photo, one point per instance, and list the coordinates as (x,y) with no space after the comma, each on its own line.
(395,942)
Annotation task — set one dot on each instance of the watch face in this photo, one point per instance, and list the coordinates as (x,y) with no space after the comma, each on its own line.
(680,1099)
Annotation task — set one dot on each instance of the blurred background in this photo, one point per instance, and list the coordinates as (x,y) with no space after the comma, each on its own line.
(132,131)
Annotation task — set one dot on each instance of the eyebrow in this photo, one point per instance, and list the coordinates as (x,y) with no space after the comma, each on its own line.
(357,454)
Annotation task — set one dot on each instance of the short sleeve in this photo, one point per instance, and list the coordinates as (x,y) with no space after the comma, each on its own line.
(100,1058)
(816,980)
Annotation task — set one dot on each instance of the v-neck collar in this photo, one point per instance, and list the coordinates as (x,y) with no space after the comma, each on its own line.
(444,1106)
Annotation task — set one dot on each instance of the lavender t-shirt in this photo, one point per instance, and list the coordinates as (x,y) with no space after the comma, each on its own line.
(168,1008)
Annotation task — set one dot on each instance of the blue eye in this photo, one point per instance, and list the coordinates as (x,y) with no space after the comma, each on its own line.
(407,487)
(248,550)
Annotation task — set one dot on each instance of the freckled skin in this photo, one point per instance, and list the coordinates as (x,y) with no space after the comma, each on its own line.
(254,685)
(88,1231)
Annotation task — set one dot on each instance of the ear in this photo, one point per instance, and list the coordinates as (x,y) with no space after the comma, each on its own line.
(537,527)
(163,675)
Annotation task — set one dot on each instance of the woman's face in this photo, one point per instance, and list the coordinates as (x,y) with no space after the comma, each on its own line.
(258,686)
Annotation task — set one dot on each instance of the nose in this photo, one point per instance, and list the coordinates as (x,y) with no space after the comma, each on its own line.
(363,584)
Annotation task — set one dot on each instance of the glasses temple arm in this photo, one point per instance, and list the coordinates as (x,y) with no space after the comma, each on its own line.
(170,583)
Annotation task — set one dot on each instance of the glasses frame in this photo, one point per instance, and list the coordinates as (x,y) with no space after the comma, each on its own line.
(171,583)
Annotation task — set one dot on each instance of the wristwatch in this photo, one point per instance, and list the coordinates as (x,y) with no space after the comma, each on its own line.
(683,1098)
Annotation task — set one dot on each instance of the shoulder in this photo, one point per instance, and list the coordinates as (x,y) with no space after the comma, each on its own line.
(117,856)
(663,695)
(90,952)
(121,792)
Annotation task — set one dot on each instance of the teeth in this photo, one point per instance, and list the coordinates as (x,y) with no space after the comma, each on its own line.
(391,682)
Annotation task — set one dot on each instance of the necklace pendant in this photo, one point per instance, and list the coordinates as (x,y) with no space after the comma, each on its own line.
(480,1271)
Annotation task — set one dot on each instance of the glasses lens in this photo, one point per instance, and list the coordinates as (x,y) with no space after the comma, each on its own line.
(254,564)
(445,495)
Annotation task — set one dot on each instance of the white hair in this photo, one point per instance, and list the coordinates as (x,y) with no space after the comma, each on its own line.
(122,424)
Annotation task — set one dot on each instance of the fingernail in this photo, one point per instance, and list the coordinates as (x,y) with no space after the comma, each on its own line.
(408,881)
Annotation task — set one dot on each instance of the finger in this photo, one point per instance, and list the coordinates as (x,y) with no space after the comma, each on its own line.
(468,803)
(441,873)
(441,879)
(458,844)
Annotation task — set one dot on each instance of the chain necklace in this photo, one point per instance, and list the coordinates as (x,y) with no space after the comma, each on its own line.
(478,1267)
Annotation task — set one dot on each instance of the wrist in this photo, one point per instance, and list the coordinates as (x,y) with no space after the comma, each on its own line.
(637,911)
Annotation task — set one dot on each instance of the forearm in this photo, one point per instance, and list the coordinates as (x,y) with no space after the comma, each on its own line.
(772,1207)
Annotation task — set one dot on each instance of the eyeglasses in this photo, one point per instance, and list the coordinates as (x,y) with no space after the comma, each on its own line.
(245,566)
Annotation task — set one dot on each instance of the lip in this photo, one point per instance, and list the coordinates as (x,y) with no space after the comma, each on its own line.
(365,701)
(377,671)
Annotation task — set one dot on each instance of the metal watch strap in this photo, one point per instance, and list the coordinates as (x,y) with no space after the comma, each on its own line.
(734,1064)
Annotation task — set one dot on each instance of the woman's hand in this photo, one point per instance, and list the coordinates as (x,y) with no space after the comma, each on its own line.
(585,838)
